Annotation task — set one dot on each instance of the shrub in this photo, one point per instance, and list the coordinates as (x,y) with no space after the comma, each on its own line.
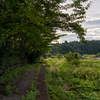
(73,58)
(98,55)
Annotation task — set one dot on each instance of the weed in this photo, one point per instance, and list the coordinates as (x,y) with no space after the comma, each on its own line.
(30,95)
(33,92)
(17,90)
(84,80)
(10,77)
(8,89)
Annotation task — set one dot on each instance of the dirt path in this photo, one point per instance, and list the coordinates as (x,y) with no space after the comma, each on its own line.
(24,83)
(41,85)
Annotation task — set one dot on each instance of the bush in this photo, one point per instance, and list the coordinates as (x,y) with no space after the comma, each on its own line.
(98,55)
(73,58)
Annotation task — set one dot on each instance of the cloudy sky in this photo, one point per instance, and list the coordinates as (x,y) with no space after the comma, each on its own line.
(92,24)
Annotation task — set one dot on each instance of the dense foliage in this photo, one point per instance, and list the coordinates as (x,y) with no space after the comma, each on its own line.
(92,47)
(98,55)
(72,58)
(27,27)
(68,82)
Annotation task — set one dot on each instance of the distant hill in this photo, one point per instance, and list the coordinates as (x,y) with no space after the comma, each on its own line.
(92,47)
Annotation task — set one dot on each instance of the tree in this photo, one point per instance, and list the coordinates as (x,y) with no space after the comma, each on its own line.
(27,27)
(92,47)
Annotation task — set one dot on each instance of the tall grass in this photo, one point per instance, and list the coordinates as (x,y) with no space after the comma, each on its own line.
(83,80)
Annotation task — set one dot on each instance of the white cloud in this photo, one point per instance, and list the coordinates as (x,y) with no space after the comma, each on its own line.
(92,24)
(95,30)
(69,37)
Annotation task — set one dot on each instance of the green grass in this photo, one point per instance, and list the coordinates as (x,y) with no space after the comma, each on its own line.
(53,88)
(87,56)
(30,95)
(83,81)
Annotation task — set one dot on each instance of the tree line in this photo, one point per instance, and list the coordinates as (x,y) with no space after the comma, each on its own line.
(91,47)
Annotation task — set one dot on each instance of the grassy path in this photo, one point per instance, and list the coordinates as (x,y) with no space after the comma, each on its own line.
(22,85)
(30,84)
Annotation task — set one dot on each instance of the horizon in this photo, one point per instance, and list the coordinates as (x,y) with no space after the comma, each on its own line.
(77,41)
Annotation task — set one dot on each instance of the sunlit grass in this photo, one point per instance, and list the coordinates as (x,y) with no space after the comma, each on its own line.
(83,80)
